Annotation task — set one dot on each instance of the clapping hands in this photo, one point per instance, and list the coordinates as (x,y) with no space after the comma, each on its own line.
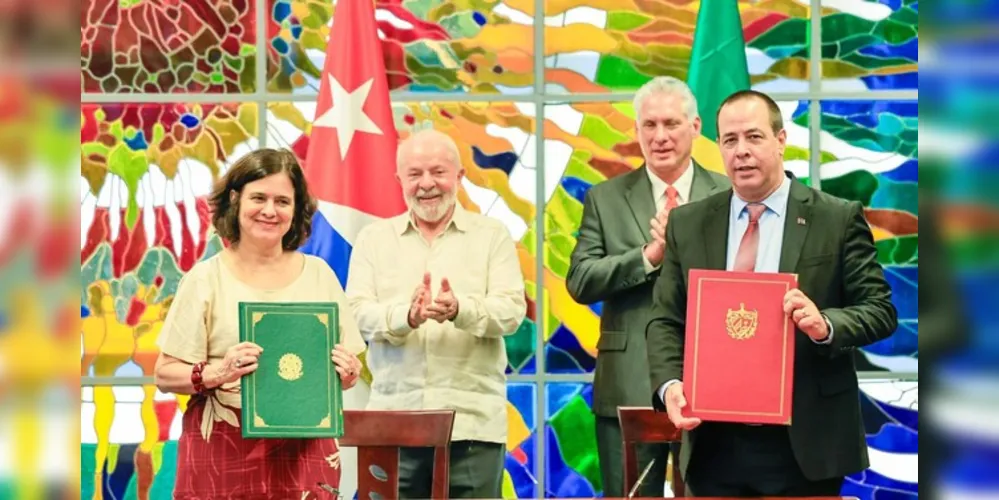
(421,298)
(442,308)
(655,250)
(445,306)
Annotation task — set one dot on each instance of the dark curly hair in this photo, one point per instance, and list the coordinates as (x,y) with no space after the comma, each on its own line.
(252,167)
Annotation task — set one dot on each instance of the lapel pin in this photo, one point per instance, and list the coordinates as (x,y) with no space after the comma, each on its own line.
(801,221)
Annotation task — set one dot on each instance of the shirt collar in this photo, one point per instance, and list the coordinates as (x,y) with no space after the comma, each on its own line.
(682,184)
(459,219)
(776,202)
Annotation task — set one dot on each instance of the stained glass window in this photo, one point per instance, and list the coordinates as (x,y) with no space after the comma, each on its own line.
(519,479)
(128,438)
(890,410)
(173,93)
(144,219)
(572,468)
(428,46)
(870,155)
(870,45)
(618,47)
(160,46)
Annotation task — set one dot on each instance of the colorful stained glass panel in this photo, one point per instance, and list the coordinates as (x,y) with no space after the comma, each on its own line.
(572,469)
(160,46)
(870,155)
(617,46)
(585,144)
(521,445)
(497,148)
(890,411)
(146,170)
(428,45)
(870,45)
(128,439)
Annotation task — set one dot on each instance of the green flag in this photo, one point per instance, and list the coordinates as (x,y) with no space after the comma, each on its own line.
(718,60)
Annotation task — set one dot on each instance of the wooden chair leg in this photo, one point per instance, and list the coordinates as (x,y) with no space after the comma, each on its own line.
(441,484)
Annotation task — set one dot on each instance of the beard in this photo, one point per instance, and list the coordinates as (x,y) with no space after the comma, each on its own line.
(431,213)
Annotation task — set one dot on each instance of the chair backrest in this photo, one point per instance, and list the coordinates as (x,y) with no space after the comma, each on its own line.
(645,425)
(378,435)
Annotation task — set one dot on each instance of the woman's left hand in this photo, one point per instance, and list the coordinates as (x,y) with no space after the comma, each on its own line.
(347,365)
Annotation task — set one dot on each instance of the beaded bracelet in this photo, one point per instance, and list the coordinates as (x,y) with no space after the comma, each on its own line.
(196,377)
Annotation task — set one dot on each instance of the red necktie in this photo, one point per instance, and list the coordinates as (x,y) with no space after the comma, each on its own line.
(745,259)
(672,199)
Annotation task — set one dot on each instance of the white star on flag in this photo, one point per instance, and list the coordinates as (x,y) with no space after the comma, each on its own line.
(347,115)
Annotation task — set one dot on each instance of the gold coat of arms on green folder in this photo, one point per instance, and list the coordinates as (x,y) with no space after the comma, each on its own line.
(295,391)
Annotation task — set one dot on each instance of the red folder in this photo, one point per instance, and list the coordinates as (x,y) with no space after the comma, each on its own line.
(739,355)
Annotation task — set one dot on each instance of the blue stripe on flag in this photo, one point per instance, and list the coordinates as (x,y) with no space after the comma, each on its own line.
(327,244)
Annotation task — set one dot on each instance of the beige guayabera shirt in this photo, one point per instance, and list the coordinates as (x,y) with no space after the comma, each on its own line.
(456,365)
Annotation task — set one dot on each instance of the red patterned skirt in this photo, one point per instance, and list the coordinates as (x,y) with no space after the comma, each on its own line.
(231,467)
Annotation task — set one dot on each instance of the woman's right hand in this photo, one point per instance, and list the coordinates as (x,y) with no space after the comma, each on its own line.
(239,360)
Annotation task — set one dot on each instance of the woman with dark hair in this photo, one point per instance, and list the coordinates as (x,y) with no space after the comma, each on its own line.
(262,207)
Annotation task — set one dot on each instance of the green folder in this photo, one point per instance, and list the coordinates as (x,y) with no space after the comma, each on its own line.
(295,391)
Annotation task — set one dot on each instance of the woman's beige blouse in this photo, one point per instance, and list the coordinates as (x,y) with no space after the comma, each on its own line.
(203,321)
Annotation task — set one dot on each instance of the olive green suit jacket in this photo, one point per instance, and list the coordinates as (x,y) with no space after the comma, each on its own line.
(607,266)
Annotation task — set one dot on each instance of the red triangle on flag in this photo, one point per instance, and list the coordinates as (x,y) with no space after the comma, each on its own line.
(351,156)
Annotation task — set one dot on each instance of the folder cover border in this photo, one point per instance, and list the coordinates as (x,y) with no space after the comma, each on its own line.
(253,425)
(696,330)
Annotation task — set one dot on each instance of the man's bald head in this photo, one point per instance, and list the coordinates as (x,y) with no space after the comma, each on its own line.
(424,140)
(429,169)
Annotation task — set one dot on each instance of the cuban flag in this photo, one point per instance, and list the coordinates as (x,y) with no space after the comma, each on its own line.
(350,163)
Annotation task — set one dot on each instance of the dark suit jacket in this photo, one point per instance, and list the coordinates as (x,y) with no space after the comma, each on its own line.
(606,265)
(836,261)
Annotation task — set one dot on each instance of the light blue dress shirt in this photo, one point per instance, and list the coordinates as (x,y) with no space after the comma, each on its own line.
(771,229)
(771,233)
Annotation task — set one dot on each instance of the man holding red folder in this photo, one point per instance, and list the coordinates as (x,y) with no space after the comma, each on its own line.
(768,223)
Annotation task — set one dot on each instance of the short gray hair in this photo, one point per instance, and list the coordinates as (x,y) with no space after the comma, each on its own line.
(667,85)
(425,135)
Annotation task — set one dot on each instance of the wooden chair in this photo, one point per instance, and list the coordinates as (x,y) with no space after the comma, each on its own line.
(644,425)
(378,435)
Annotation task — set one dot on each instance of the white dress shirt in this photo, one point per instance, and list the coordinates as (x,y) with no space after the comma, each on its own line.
(683,186)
